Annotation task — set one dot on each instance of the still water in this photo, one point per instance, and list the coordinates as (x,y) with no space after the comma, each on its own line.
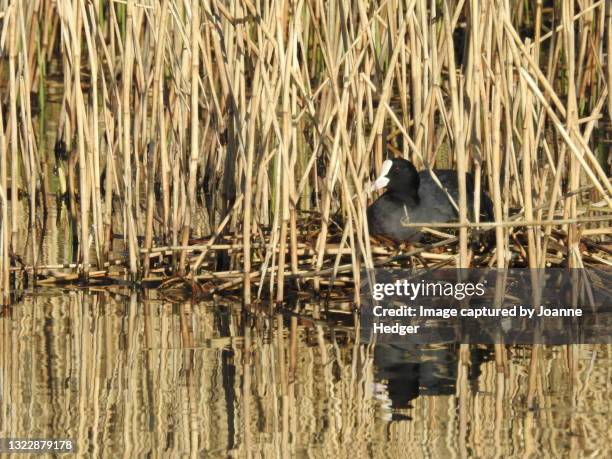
(134,374)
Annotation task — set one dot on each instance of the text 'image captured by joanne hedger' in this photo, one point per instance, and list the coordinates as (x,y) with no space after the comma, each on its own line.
(487,306)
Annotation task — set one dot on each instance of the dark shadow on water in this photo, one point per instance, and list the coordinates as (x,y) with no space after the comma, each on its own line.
(410,371)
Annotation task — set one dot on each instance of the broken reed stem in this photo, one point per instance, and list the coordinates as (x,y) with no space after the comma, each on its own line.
(513,223)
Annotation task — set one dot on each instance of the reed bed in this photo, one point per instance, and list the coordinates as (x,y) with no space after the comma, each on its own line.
(235,137)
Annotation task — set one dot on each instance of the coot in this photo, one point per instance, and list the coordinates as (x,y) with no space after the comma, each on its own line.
(414,197)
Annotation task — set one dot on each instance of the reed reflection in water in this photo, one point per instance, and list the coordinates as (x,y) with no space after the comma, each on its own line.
(133,374)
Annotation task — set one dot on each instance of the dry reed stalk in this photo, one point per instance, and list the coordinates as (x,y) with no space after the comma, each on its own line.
(458,141)
(513,222)
(74,30)
(528,148)
(502,255)
(573,237)
(571,120)
(285,41)
(155,127)
(29,162)
(128,212)
(248,187)
(89,25)
(608,19)
(29,157)
(4,230)
(12,30)
(194,131)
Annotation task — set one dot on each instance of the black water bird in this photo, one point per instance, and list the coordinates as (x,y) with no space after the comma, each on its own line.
(414,197)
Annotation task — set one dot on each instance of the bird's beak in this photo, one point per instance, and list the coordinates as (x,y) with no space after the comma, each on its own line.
(382,181)
(377,184)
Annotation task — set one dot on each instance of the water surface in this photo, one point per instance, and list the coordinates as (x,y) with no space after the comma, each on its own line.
(134,374)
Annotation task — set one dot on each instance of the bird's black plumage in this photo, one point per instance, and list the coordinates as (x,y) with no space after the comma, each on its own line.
(415,197)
